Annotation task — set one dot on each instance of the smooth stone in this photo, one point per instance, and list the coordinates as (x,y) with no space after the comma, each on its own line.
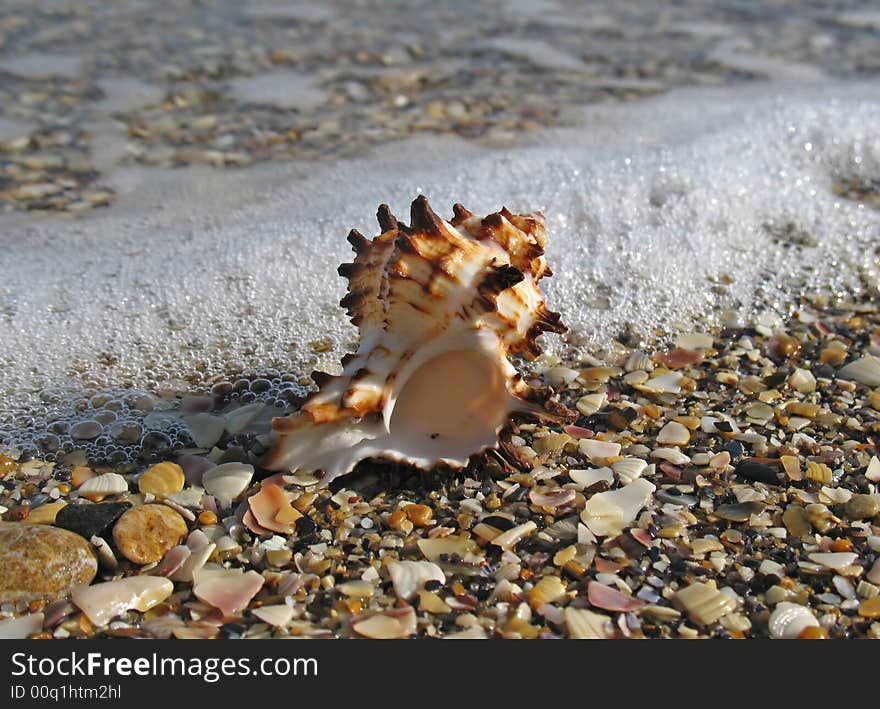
(38,562)
(759,472)
(90,520)
(739,512)
(863,507)
(144,534)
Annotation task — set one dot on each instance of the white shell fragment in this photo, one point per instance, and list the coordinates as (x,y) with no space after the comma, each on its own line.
(227,481)
(629,468)
(21,627)
(200,549)
(608,513)
(595,449)
(834,560)
(106,484)
(230,590)
(205,429)
(591,476)
(789,620)
(102,602)
(433,549)
(440,305)
(865,371)
(873,470)
(703,602)
(386,625)
(583,624)
(278,615)
(411,576)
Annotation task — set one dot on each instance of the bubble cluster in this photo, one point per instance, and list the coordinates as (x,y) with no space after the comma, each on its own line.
(668,213)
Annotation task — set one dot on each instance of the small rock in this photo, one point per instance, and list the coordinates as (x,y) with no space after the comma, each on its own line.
(38,562)
(863,507)
(760,472)
(90,520)
(739,512)
(144,534)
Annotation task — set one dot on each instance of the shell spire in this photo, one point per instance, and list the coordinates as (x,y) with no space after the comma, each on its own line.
(440,306)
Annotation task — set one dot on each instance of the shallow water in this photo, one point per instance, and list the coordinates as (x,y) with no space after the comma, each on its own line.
(679,211)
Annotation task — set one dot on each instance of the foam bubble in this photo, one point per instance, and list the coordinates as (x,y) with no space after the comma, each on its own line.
(660,214)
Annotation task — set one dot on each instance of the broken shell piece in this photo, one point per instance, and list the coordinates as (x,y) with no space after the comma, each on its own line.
(611,599)
(200,550)
(271,509)
(227,481)
(172,560)
(834,560)
(595,449)
(410,576)
(608,513)
(104,601)
(387,625)
(278,615)
(865,371)
(509,539)
(551,498)
(440,307)
(230,590)
(586,625)
(789,620)
(162,479)
(703,602)
(433,549)
(101,486)
(629,468)
(591,476)
(20,628)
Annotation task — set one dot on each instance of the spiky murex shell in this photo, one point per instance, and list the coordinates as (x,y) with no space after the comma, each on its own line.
(462,293)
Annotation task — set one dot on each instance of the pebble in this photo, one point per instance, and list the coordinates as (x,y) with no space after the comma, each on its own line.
(759,472)
(863,506)
(739,512)
(38,562)
(870,607)
(90,520)
(144,534)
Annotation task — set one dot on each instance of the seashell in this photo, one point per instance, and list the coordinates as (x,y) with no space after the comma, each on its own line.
(194,467)
(608,513)
(834,560)
(230,590)
(433,549)
(271,509)
(591,476)
(440,307)
(19,628)
(591,403)
(548,590)
(674,434)
(475,632)
(101,486)
(509,539)
(227,481)
(789,620)
(551,498)
(162,479)
(586,625)
(239,419)
(703,602)
(172,561)
(410,576)
(872,472)
(45,514)
(629,468)
(673,455)
(356,589)
(609,599)
(106,558)
(104,601)
(638,361)
(669,383)
(278,615)
(595,449)
(200,549)
(386,625)
(694,341)
(865,371)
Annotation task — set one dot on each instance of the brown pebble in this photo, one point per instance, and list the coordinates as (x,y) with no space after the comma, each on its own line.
(16,514)
(207,518)
(396,518)
(870,608)
(419,515)
(862,507)
(841,544)
(144,534)
(785,345)
(813,632)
